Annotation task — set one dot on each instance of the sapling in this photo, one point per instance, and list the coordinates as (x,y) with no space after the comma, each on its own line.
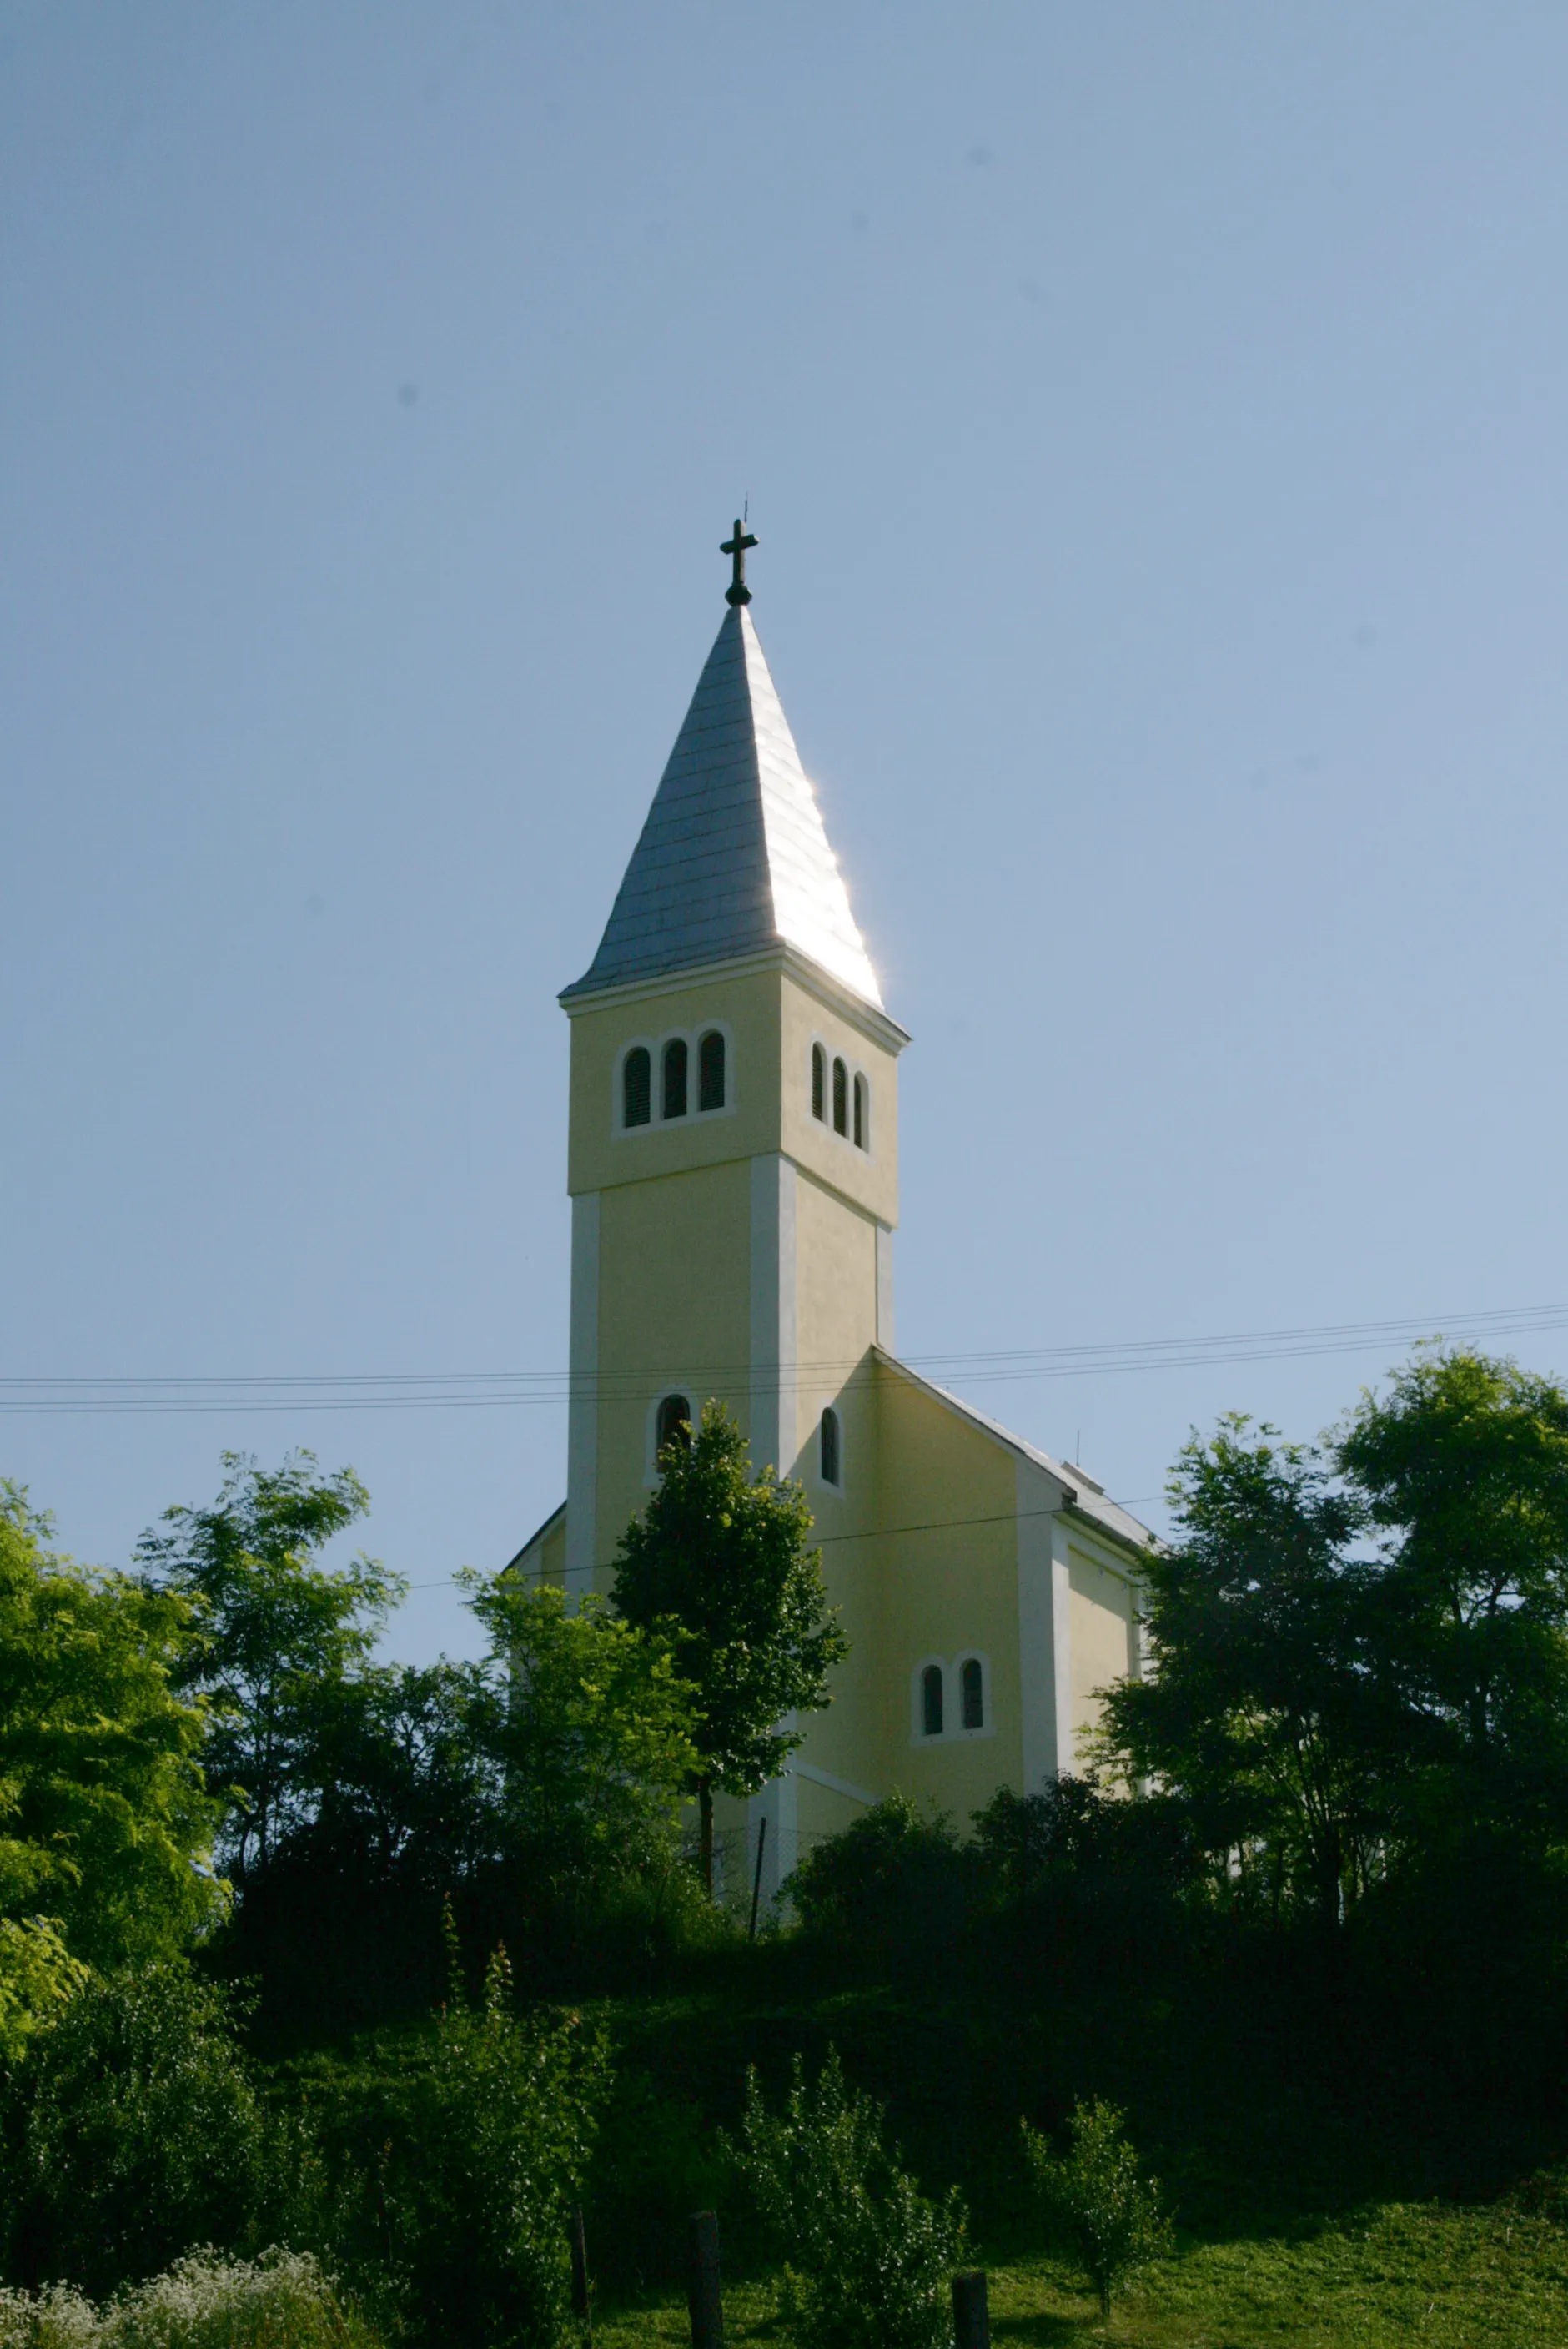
(1097,2199)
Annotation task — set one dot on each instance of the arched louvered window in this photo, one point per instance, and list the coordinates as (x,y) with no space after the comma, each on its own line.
(818,1083)
(972,1692)
(710,1070)
(673,1424)
(636,1087)
(676,1077)
(828,1443)
(862,1114)
(841,1098)
(931,1700)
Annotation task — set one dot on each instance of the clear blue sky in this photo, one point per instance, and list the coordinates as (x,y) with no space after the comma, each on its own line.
(1155,418)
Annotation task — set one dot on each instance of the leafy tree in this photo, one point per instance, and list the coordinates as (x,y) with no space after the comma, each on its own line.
(1096,2196)
(1463,1466)
(105,1826)
(867,2255)
(1265,1714)
(483,2160)
(279,1635)
(721,1560)
(589,1727)
(135,2129)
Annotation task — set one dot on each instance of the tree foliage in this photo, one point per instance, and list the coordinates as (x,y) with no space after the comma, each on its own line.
(1362,1650)
(134,2129)
(104,1825)
(1096,2197)
(466,2216)
(1263,1713)
(720,1559)
(589,1724)
(281,1636)
(867,2255)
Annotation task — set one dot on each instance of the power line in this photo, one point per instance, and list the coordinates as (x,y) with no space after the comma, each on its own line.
(516,1389)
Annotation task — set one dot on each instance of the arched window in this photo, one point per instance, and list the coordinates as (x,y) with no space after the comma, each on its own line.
(676,1077)
(636,1087)
(972,1692)
(931,1700)
(862,1114)
(828,1448)
(818,1083)
(673,1423)
(710,1070)
(841,1098)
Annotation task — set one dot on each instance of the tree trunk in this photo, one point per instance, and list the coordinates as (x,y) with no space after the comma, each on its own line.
(704,1833)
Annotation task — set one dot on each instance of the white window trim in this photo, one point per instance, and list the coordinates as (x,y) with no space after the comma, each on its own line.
(686,1387)
(952,1732)
(654,1048)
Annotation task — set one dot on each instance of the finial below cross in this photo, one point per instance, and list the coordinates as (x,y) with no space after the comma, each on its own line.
(738,592)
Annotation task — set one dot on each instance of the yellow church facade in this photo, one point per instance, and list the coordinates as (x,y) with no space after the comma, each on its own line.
(733,1172)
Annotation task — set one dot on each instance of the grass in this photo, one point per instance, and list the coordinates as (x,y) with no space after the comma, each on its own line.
(1443,2276)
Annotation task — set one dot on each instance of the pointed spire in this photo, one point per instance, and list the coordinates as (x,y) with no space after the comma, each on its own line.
(733,857)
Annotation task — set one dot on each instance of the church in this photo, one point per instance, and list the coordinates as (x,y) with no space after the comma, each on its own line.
(733,1171)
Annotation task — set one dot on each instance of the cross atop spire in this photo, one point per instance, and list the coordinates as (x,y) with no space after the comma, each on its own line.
(738,592)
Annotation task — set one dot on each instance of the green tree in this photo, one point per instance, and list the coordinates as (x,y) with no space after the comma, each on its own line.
(589,1726)
(135,2128)
(279,1635)
(867,2255)
(1265,1714)
(721,1560)
(483,2160)
(1463,1466)
(104,1825)
(1096,2199)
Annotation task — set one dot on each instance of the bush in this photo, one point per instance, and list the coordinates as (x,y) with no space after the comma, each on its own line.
(867,2256)
(280,2301)
(894,1884)
(134,2129)
(463,2230)
(1096,2201)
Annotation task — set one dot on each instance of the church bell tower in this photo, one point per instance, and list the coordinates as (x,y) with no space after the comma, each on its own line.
(733,1160)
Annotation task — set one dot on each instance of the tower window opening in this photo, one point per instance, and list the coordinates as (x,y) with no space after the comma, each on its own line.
(972,1693)
(818,1083)
(636,1087)
(931,1700)
(676,1077)
(828,1448)
(862,1114)
(673,1424)
(841,1098)
(710,1070)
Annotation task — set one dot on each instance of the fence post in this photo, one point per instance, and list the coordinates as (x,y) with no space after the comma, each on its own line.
(704,2298)
(971,2318)
(580,2305)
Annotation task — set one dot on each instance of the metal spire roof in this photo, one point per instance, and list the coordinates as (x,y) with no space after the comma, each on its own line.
(733,857)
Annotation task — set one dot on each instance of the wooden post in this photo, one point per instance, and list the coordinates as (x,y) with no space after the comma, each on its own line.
(704,2298)
(757,1879)
(581,2307)
(971,2318)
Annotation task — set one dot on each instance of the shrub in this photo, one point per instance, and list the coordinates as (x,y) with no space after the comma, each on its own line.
(1097,2199)
(280,2301)
(867,2255)
(135,2130)
(893,1884)
(466,2221)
